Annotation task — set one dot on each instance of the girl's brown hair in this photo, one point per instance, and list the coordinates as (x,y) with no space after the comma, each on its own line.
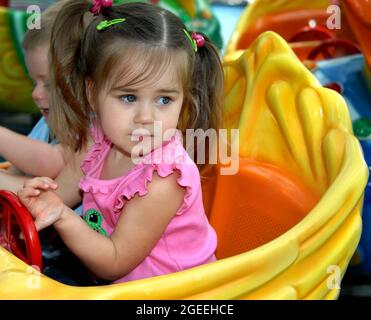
(150,34)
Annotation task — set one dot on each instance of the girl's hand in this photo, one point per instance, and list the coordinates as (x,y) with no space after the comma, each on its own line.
(40,199)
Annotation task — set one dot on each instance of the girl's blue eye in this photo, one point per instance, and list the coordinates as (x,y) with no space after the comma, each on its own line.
(164,100)
(128,98)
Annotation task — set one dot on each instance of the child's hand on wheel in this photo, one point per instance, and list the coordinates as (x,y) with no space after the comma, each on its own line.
(43,203)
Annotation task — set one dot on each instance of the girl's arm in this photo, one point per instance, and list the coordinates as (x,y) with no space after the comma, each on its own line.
(142,223)
(31,156)
(13,180)
(10,181)
(68,191)
(68,180)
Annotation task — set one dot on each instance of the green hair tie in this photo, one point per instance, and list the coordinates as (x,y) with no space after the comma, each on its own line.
(191,40)
(107,23)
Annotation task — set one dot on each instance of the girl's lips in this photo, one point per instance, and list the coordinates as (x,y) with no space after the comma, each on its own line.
(140,137)
(44,112)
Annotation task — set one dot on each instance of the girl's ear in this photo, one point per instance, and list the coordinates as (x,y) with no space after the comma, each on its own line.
(89,89)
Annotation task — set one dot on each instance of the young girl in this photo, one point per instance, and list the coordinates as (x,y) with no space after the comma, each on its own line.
(134,66)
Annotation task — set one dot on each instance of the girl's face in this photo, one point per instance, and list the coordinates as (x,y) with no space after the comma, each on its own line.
(37,64)
(128,114)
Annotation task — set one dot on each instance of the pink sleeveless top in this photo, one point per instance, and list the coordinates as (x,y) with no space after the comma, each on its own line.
(188,240)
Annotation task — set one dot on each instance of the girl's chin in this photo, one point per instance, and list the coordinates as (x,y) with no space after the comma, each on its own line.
(45,113)
(141,149)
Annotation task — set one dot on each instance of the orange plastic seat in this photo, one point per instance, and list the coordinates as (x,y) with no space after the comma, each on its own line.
(255,206)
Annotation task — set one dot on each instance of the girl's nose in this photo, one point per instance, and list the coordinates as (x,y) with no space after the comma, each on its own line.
(144,114)
(38,93)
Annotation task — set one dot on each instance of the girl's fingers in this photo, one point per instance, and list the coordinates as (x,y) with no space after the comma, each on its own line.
(28,192)
(46,183)
(43,183)
(50,182)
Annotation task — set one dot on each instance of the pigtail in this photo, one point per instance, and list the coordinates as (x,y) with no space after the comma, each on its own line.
(207,86)
(204,99)
(69,116)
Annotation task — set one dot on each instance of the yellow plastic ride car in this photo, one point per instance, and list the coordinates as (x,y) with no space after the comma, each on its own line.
(288,222)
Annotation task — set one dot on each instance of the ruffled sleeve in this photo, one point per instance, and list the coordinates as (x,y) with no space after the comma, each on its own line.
(137,181)
(100,143)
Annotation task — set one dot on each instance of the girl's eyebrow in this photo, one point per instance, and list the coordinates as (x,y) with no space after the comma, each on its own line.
(169,91)
(127,89)
(133,90)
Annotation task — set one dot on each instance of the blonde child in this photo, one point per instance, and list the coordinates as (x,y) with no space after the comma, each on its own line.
(38,154)
(138,67)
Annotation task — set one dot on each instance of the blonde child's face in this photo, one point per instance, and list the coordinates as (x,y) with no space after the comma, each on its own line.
(130,113)
(37,64)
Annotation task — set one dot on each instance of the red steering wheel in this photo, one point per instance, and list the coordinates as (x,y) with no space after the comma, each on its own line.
(331,48)
(14,220)
(308,33)
(334,86)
